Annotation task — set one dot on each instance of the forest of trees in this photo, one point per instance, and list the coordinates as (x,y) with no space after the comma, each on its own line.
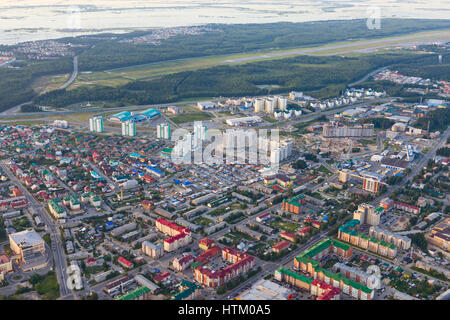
(233,80)
(380,123)
(15,84)
(444,152)
(438,120)
(106,52)
(236,38)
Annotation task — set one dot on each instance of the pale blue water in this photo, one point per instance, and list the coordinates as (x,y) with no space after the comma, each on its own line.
(24,20)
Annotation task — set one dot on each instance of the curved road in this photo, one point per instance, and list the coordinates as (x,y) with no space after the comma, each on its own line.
(367,76)
(16,109)
(74,74)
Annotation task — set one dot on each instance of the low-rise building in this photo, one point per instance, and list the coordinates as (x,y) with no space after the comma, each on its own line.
(29,245)
(181,264)
(5,266)
(281,246)
(153,250)
(241,264)
(266,290)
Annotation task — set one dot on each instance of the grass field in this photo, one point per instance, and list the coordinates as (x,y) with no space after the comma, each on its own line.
(47,286)
(204,221)
(286,226)
(191,116)
(48,83)
(116,77)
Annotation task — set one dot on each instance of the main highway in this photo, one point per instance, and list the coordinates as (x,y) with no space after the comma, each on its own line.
(58,253)
(73,76)
(417,167)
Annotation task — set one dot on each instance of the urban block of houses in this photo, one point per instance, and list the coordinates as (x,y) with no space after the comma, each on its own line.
(388,204)
(241,264)
(349,233)
(179,236)
(309,262)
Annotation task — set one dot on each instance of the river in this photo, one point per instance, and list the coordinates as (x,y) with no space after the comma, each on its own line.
(28,20)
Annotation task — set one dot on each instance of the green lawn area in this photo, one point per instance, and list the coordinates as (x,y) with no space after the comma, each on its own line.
(21,224)
(366,142)
(120,76)
(285,225)
(323,169)
(47,239)
(192,116)
(46,286)
(235,218)
(422,288)
(203,221)
(238,235)
(48,83)
(270,119)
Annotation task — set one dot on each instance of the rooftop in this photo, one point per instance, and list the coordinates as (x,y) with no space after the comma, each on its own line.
(26,238)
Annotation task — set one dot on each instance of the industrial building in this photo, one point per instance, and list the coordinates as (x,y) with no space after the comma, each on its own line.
(245,121)
(145,115)
(61,124)
(266,290)
(335,130)
(206,105)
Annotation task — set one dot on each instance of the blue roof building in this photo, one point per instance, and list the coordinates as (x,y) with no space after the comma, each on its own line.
(151,113)
(121,116)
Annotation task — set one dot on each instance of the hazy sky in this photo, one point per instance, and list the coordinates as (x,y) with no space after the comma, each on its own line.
(22,20)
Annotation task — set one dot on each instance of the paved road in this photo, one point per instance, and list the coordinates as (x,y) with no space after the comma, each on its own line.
(16,109)
(13,110)
(367,76)
(74,74)
(417,167)
(397,41)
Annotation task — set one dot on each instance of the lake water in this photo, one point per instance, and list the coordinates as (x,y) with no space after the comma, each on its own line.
(25,20)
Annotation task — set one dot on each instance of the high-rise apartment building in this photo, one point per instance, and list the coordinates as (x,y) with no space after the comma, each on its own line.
(96,124)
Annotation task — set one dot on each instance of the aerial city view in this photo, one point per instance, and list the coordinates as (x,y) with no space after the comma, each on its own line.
(224,150)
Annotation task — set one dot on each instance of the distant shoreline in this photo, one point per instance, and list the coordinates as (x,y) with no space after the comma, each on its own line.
(28,21)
